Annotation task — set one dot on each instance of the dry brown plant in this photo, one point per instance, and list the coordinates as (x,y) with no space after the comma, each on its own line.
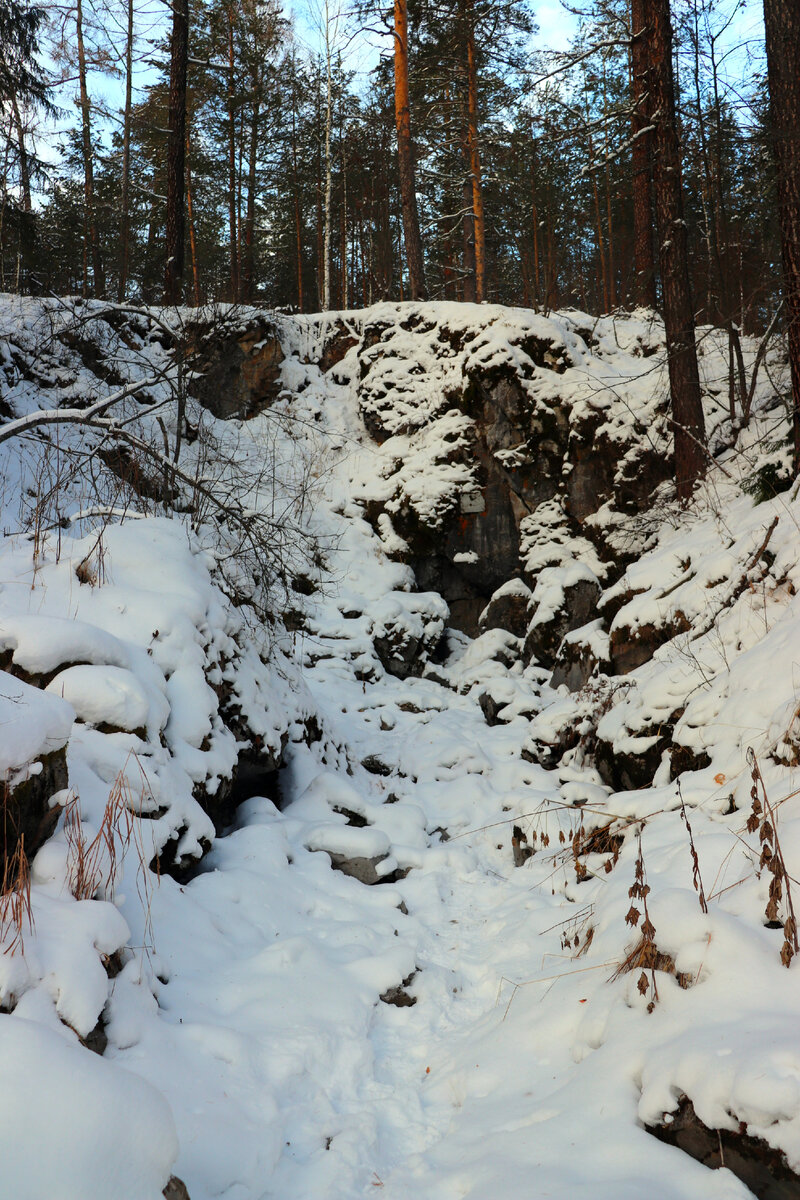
(763,820)
(645,955)
(15,900)
(697,881)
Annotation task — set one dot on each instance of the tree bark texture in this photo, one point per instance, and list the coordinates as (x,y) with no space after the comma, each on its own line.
(298,235)
(684,375)
(192,231)
(24,162)
(98,277)
(176,153)
(479,222)
(405,154)
(782,25)
(232,208)
(249,269)
(642,153)
(126,159)
(326,259)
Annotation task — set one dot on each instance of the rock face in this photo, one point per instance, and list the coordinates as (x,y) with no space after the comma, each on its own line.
(28,818)
(176,1189)
(236,372)
(580,655)
(406,630)
(508,609)
(763,1170)
(482,417)
(33,766)
(565,598)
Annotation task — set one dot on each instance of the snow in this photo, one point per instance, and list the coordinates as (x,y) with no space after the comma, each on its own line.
(99,1130)
(32,725)
(107,694)
(551,584)
(249,1050)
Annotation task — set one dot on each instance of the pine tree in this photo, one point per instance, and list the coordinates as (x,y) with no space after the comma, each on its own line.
(176,154)
(684,374)
(782,26)
(405,154)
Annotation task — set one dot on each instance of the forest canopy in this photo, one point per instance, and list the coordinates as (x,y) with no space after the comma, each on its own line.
(523,156)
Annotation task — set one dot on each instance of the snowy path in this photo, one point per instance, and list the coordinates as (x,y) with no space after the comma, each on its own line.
(288,1081)
(289,1078)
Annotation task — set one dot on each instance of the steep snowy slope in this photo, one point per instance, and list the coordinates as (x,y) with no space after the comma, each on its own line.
(462,942)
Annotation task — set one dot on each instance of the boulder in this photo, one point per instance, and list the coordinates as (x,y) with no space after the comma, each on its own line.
(564,599)
(176,1189)
(581,654)
(407,628)
(235,373)
(339,340)
(33,763)
(508,609)
(761,1168)
(630,645)
(631,768)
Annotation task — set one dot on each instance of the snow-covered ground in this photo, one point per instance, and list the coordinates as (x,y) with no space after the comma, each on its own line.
(249,1050)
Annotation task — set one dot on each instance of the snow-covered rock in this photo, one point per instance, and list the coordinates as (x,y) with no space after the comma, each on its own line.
(240,1008)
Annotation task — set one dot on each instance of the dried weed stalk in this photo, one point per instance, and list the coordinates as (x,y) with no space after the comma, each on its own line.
(95,866)
(697,881)
(604,839)
(15,901)
(645,953)
(763,820)
(581,870)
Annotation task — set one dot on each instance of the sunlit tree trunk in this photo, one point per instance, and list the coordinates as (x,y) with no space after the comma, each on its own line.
(125,215)
(475,159)
(642,156)
(405,154)
(176,152)
(91,235)
(782,24)
(684,375)
(233,234)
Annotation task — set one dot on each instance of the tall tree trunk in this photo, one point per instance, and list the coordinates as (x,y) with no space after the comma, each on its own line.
(782,24)
(475,158)
(192,232)
(684,375)
(88,160)
(603,274)
(468,234)
(405,154)
(537,294)
(24,161)
(232,223)
(248,281)
(320,230)
(644,256)
(326,261)
(612,272)
(125,216)
(344,299)
(176,151)
(298,235)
